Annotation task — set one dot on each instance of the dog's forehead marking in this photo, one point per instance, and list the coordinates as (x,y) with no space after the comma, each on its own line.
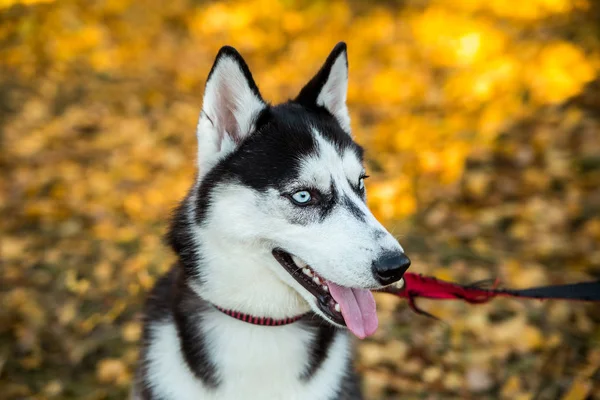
(329,165)
(353,207)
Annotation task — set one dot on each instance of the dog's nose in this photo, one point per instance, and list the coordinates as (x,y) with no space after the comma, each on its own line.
(390,267)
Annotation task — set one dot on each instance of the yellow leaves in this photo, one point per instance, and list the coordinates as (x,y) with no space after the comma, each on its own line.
(449,39)
(504,334)
(225,17)
(12,248)
(245,22)
(432,374)
(593,364)
(558,72)
(513,388)
(53,388)
(103,272)
(132,331)
(293,22)
(133,205)
(531,339)
(115,6)
(483,82)
(75,285)
(476,184)
(79,41)
(579,390)
(529,10)
(392,351)
(21,301)
(394,86)
(452,381)
(67,313)
(113,370)
(453,157)
(10,3)
(379,26)
(592,228)
(391,199)
(582,385)
(94,320)
(518,275)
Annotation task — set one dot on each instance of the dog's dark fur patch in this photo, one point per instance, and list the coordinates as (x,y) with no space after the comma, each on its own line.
(320,345)
(188,309)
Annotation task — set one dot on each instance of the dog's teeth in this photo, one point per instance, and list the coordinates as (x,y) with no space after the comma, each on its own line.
(298,262)
(307,271)
(326,288)
(317,280)
(400,283)
(337,307)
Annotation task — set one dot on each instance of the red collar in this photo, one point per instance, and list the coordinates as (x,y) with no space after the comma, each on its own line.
(265,321)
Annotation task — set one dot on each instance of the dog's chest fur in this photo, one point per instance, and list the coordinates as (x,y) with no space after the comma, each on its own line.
(193,351)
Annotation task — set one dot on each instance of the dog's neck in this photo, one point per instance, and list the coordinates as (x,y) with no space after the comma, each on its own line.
(234,276)
(309,357)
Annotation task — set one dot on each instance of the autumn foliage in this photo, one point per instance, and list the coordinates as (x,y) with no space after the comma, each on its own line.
(481,121)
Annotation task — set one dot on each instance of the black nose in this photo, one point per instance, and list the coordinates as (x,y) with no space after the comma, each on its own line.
(390,267)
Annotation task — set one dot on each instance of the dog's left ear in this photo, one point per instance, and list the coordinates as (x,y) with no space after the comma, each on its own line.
(329,87)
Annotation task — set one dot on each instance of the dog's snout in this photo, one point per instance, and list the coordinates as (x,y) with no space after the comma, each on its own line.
(390,267)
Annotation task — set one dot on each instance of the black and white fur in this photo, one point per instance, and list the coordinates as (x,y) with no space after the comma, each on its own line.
(251,157)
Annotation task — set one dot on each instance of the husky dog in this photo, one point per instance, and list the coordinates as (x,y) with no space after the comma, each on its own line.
(277,250)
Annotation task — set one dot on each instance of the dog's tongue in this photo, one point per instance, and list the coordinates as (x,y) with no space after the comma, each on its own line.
(358,309)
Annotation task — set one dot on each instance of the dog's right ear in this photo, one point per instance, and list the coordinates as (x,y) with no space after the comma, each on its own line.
(232,102)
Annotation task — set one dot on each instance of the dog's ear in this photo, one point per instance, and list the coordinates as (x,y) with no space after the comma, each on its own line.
(232,102)
(328,88)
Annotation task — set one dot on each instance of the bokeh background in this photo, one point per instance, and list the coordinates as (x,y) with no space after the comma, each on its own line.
(481,120)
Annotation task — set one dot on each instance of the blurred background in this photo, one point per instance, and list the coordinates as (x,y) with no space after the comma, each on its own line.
(481,120)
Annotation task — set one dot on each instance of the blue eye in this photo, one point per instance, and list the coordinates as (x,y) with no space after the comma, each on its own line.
(302,197)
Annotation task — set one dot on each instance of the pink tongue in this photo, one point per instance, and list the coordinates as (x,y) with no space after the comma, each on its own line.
(358,309)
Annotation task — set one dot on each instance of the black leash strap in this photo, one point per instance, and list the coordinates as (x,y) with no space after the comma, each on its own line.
(586,291)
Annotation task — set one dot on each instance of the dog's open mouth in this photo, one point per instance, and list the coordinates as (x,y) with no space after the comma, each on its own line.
(352,307)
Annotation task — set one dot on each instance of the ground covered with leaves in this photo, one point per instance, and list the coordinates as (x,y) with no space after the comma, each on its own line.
(481,121)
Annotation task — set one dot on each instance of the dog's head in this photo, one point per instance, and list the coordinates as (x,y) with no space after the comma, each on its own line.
(283,187)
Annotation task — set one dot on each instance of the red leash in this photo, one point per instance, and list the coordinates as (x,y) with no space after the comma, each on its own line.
(416,285)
